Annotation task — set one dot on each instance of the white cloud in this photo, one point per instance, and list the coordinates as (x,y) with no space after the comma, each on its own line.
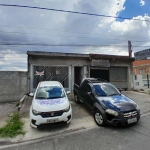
(12,61)
(50,27)
(142,2)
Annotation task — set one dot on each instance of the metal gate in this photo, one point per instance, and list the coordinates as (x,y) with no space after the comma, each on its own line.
(118,77)
(51,73)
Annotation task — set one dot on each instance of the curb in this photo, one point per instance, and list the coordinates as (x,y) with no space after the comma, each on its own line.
(139,91)
(11,145)
(21,102)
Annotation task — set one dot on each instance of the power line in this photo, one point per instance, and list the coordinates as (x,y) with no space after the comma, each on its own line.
(60,35)
(111,37)
(74,12)
(72,45)
(64,35)
(52,30)
(66,45)
(139,41)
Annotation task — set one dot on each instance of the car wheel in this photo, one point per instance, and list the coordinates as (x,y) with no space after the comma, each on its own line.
(99,119)
(76,98)
(31,125)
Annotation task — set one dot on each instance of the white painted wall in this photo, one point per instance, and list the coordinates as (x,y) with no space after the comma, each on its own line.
(137,81)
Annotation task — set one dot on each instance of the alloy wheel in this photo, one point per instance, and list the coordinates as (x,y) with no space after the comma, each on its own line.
(98,118)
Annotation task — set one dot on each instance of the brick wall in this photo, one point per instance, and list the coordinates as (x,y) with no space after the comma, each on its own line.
(141,65)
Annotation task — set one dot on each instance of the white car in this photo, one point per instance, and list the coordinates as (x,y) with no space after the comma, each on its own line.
(50,105)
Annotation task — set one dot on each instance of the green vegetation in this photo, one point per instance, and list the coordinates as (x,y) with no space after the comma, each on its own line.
(149,92)
(13,127)
(17,104)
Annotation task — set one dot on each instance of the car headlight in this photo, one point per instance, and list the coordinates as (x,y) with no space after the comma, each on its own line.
(35,112)
(111,112)
(137,107)
(67,109)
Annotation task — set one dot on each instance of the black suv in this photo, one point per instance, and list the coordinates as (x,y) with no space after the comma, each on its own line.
(108,105)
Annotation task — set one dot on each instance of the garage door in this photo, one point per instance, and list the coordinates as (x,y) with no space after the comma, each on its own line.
(118,76)
(51,73)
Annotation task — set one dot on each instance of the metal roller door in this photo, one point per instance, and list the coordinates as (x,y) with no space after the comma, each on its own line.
(118,77)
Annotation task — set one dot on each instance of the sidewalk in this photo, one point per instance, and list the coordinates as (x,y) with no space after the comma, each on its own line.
(147,90)
(5,110)
(144,90)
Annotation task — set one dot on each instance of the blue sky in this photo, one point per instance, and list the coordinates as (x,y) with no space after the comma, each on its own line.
(23,29)
(134,8)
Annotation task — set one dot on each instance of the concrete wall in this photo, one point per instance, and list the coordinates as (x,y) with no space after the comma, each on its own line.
(13,85)
(56,61)
(41,61)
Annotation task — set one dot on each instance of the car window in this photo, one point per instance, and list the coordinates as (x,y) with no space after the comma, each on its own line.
(105,90)
(50,92)
(87,88)
(83,84)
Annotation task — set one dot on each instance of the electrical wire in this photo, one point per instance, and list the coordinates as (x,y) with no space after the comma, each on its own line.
(68,31)
(66,45)
(73,12)
(63,35)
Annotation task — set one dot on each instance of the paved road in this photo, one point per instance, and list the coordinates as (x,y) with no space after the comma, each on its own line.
(143,100)
(136,137)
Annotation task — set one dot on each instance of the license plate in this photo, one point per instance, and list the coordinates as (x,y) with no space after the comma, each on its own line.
(132,120)
(52,120)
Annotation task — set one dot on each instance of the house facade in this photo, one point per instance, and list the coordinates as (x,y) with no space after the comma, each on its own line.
(71,68)
(141,67)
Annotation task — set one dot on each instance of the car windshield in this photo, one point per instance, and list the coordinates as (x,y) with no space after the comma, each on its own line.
(105,90)
(50,92)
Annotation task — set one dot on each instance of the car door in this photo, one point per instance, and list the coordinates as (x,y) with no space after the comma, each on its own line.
(89,96)
(81,92)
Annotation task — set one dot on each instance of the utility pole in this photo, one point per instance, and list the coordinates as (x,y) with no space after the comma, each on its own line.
(148,80)
(129,49)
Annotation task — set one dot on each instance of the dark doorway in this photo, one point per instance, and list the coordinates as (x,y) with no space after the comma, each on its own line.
(78,73)
(98,73)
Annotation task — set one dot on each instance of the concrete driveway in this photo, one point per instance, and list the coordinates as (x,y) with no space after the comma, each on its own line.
(82,117)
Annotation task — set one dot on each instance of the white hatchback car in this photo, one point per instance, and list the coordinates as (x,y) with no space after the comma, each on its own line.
(50,105)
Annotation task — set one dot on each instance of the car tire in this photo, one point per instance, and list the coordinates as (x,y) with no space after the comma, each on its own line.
(99,119)
(31,125)
(76,98)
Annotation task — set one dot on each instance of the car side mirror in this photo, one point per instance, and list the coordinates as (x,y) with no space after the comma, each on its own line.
(31,94)
(120,90)
(89,93)
(68,92)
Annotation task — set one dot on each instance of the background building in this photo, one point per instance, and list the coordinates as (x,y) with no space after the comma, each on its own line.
(142,67)
(142,55)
